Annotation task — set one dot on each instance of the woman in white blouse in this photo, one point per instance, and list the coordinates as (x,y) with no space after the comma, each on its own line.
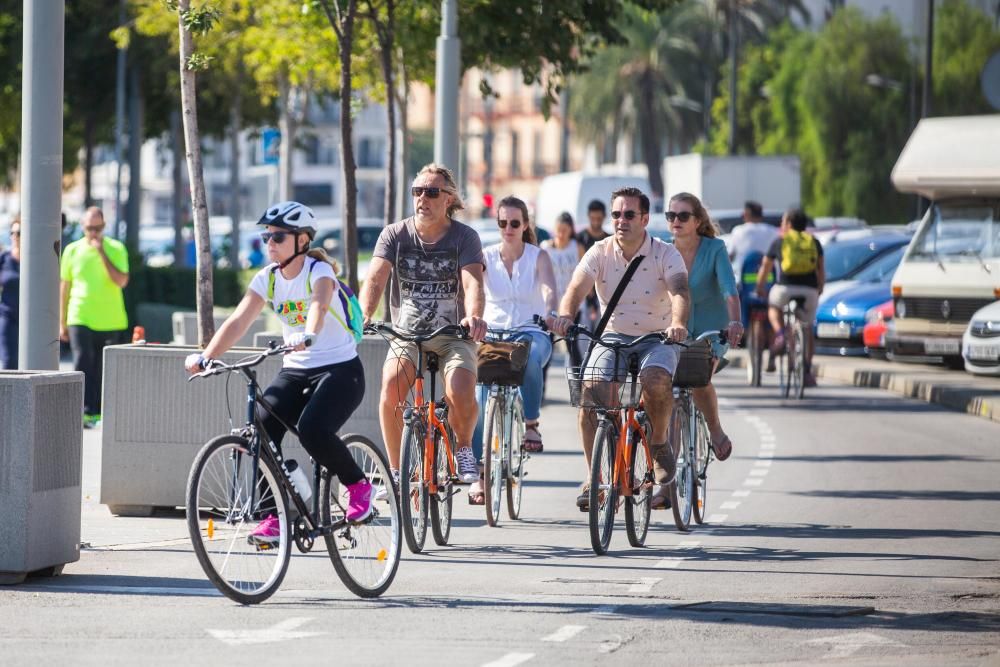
(519,284)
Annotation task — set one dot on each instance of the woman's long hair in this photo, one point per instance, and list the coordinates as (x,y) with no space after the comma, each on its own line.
(528,235)
(705,225)
(320,254)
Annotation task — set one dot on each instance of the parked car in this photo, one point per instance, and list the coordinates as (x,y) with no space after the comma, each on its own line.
(981,342)
(844,259)
(842,311)
(726,219)
(877,322)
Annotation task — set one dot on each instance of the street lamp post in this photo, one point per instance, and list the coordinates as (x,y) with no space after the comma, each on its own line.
(446,92)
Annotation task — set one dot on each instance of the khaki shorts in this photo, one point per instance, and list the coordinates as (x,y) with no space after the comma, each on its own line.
(780,295)
(453,353)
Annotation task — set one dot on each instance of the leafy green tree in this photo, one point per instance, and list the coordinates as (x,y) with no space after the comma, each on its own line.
(964,38)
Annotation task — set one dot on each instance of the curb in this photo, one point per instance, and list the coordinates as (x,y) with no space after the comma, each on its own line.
(958,395)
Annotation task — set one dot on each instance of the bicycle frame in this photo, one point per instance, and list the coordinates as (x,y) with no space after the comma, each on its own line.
(625,418)
(435,425)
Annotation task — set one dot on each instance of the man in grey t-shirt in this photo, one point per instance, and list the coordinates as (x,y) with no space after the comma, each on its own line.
(436,267)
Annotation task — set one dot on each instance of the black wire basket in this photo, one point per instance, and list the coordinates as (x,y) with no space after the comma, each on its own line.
(694,367)
(601,389)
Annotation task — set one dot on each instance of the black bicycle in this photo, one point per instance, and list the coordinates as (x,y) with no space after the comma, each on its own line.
(240,479)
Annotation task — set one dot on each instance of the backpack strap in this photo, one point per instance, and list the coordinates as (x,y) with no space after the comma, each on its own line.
(337,284)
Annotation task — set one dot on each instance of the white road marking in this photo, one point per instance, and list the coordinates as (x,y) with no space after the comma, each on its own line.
(765,454)
(767,446)
(753,482)
(564,633)
(669,563)
(843,646)
(759,472)
(645,585)
(729,505)
(741,493)
(718,518)
(763,463)
(510,660)
(687,544)
(279,632)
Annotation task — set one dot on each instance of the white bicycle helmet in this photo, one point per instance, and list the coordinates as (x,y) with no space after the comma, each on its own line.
(290,215)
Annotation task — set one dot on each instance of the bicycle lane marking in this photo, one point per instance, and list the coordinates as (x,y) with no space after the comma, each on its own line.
(564,633)
(510,660)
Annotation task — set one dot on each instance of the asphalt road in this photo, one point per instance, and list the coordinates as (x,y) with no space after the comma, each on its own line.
(850,527)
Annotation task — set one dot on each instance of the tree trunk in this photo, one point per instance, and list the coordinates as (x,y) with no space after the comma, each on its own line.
(88,161)
(176,200)
(350,206)
(189,106)
(286,126)
(649,137)
(136,127)
(235,124)
(403,110)
(387,49)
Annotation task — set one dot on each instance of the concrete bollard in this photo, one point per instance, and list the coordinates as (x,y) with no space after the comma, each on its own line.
(186,328)
(41,453)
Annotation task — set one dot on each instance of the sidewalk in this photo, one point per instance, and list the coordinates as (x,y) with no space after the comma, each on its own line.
(956,390)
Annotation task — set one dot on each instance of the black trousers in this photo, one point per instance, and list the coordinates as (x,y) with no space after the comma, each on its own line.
(88,358)
(318,401)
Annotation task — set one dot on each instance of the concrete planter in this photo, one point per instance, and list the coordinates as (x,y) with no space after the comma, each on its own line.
(41,436)
(155,421)
(186,329)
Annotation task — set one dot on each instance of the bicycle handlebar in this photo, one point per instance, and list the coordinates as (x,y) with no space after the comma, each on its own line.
(447,330)
(216,367)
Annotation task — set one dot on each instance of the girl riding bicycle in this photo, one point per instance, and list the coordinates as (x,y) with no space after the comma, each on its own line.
(322,382)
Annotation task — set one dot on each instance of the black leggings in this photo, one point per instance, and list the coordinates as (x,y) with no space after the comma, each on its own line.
(321,399)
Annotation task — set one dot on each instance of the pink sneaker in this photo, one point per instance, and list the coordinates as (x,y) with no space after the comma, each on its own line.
(267,532)
(359,501)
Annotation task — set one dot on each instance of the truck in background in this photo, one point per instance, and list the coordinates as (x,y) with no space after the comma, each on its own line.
(573,190)
(951,268)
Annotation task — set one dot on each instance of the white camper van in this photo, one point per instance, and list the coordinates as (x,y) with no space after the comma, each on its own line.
(573,190)
(951,268)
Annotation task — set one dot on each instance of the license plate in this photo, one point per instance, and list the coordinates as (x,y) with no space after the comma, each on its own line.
(983,352)
(942,346)
(829,330)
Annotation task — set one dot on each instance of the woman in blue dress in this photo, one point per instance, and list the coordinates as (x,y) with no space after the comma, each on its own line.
(715,302)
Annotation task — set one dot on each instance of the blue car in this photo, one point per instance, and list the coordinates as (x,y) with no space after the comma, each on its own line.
(840,316)
(844,259)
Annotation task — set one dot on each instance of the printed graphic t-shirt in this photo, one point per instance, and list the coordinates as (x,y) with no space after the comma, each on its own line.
(334,344)
(426,288)
(95,301)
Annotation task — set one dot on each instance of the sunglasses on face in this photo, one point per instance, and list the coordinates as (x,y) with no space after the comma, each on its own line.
(277,237)
(628,215)
(432,193)
(683,216)
(15,233)
(514,224)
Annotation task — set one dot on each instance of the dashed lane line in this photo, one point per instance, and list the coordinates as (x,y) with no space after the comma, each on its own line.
(644,585)
(510,660)
(758,472)
(564,633)
(753,481)
(730,505)
(763,463)
(741,493)
(718,518)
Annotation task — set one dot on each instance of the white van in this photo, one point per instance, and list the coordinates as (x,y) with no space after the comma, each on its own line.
(951,268)
(573,190)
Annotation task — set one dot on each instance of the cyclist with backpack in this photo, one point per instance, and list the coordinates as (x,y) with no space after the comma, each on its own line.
(322,382)
(798,257)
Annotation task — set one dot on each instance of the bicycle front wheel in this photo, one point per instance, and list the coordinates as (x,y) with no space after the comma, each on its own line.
(603,491)
(755,352)
(413,488)
(786,366)
(799,349)
(682,488)
(365,555)
(515,460)
(703,456)
(228,494)
(639,504)
(493,446)
(441,502)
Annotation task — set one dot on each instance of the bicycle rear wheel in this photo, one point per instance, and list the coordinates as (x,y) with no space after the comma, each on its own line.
(639,504)
(682,488)
(703,456)
(493,451)
(226,496)
(786,363)
(515,460)
(441,501)
(755,351)
(412,487)
(603,491)
(799,348)
(365,555)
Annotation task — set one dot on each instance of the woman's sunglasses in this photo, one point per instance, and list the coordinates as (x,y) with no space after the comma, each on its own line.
(277,237)
(683,216)
(628,215)
(432,193)
(514,224)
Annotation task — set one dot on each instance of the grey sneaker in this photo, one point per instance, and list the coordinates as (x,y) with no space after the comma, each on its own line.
(468,471)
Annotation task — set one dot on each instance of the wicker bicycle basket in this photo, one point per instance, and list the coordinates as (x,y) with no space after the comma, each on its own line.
(694,368)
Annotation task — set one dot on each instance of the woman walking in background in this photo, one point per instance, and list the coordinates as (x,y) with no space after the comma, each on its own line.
(565,252)
(10,280)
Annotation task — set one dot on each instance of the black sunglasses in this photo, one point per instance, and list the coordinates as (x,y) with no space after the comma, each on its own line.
(277,237)
(514,224)
(628,215)
(683,216)
(432,193)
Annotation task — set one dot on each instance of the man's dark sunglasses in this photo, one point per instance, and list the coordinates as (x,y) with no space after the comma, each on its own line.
(683,216)
(628,215)
(514,224)
(432,193)
(277,237)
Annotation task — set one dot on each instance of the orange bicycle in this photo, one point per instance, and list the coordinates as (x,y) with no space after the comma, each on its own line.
(428,479)
(621,464)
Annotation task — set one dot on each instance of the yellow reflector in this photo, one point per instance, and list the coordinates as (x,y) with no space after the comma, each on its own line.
(496,443)
(701,505)
(381,555)
(211,529)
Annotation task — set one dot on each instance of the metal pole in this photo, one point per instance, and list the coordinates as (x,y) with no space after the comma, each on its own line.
(41,182)
(119,231)
(928,61)
(446,93)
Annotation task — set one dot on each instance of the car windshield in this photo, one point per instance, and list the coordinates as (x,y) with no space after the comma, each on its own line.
(959,232)
(843,259)
(882,268)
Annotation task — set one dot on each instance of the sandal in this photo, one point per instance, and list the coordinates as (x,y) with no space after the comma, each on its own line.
(532,442)
(723,448)
(583,500)
(660,500)
(477,493)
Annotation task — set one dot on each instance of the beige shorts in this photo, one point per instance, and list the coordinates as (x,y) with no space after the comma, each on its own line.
(780,295)
(453,353)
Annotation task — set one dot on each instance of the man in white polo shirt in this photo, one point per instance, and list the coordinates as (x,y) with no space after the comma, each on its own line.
(656,299)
